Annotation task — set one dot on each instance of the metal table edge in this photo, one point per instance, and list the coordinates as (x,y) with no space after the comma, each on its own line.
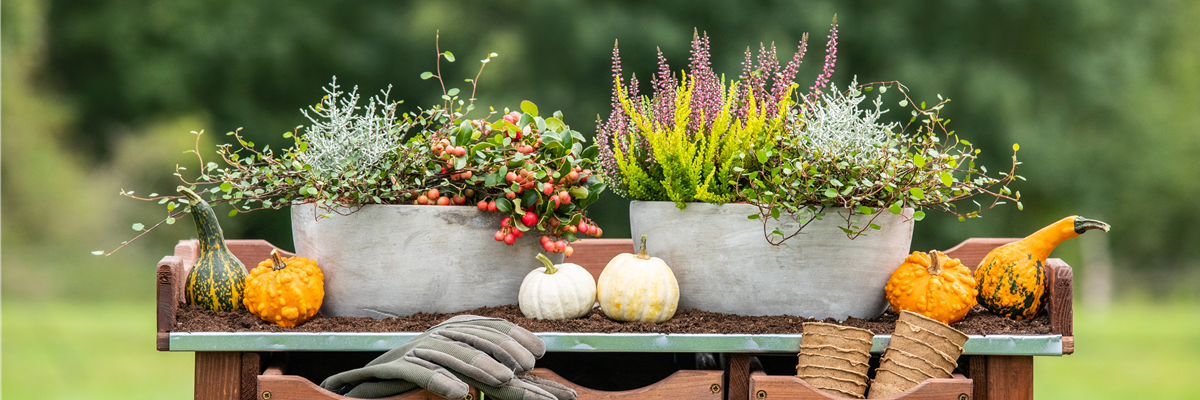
(1017,345)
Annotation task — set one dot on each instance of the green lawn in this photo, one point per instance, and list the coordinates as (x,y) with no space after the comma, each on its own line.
(1138,350)
(62,350)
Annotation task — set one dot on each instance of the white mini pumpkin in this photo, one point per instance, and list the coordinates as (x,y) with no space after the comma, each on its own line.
(638,288)
(560,291)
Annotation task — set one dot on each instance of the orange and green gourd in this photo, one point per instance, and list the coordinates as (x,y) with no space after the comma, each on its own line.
(1012,277)
(217,278)
(286,292)
(933,285)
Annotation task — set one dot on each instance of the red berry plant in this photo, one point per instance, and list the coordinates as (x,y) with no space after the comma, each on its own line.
(533,168)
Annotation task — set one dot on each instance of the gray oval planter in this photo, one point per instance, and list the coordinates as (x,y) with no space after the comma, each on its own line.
(396,260)
(725,264)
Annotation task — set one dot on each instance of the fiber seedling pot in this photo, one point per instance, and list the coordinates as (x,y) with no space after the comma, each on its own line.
(805,360)
(912,373)
(817,370)
(906,358)
(724,263)
(397,260)
(843,337)
(837,386)
(924,351)
(888,384)
(931,331)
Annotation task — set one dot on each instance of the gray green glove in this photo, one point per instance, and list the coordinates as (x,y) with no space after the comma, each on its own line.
(465,350)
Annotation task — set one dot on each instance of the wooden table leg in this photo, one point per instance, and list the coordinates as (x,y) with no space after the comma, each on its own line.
(218,375)
(737,386)
(1002,377)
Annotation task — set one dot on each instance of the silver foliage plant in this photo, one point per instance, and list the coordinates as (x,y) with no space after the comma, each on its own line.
(837,129)
(341,138)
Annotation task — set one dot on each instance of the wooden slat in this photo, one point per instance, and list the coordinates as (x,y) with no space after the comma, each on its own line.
(167,298)
(218,375)
(1059,288)
(594,254)
(251,368)
(738,377)
(292,387)
(977,371)
(682,385)
(777,387)
(1009,378)
(1068,345)
(971,251)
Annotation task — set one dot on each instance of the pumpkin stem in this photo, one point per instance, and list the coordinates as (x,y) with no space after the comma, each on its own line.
(277,262)
(642,250)
(1083,225)
(935,262)
(550,270)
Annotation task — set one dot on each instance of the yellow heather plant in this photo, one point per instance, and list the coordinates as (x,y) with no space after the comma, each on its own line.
(691,152)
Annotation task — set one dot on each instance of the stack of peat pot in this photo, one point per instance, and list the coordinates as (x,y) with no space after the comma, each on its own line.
(835,359)
(921,348)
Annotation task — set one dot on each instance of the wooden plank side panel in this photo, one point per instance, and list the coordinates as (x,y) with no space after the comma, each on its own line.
(251,368)
(167,298)
(1009,378)
(738,377)
(594,254)
(971,251)
(977,371)
(292,387)
(218,375)
(1060,292)
(774,387)
(682,385)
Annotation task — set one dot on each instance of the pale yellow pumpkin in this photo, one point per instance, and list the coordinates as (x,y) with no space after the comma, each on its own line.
(637,287)
(560,291)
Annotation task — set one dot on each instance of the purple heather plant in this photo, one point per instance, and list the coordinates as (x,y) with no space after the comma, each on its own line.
(814,92)
(763,81)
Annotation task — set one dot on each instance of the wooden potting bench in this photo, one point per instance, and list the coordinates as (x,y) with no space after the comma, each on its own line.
(279,366)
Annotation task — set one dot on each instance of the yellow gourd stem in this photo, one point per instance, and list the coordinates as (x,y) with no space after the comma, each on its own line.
(550,270)
(935,263)
(277,262)
(642,250)
(1042,242)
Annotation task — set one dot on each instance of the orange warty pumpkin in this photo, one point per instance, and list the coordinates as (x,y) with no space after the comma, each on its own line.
(286,292)
(933,285)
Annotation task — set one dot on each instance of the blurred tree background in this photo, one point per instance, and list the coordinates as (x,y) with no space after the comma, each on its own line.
(98,96)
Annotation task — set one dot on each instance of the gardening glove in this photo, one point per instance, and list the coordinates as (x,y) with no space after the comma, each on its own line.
(483,351)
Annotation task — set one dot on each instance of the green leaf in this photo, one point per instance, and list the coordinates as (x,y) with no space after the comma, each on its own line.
(866,210)
(830,192)
(876,227)
(752,216)
(449,56)
(98,252)
(919,215)
(917,193)
(919,160)
(947,179)
(503,205)
(226,187)
(529,108)
(452,92)
(232,212)
(138,226)
(426,75)
(312,190)
(895,208)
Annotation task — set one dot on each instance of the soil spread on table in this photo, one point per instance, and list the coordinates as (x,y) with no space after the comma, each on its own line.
(978,322)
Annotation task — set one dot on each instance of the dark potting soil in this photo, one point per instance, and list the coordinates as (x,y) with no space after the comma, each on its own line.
(978,322)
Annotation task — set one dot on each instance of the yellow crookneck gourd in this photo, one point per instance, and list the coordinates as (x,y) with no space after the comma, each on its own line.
(1012,277)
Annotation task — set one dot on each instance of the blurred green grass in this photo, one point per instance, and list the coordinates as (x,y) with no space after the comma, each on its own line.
(88,350)
(1137,350)
(102,350)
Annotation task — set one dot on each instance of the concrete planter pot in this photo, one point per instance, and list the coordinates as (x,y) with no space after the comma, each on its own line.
(725,264)
(396,260)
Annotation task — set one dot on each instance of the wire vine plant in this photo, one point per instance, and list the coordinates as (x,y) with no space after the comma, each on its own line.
(835,154)
(351,156)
